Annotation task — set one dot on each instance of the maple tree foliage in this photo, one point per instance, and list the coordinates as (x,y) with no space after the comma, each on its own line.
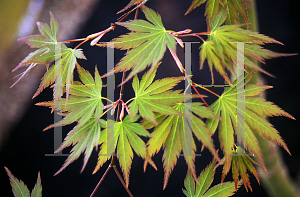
(147,41)
(174,119)
(220,47)
(241,161)
(256,108)
(47,42)
(86,108)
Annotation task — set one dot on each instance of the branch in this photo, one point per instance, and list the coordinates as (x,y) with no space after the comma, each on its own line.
(276,180)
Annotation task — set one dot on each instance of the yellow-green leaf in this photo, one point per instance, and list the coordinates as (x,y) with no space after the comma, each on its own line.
(174,133)
(255,110)
(126,138)
(147,43)
(154,97)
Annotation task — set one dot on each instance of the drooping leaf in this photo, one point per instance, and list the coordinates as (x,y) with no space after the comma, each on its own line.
(85,100)
(23,74)
(84,107)
(84,139)
(125,139)
(154,97)
(201,189)
(220,49)
(233,9)
(241,163)
(175,134)
(19,189)
(255,110)
(147,43)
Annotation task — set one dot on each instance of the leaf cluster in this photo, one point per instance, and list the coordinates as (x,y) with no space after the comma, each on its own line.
(174,118)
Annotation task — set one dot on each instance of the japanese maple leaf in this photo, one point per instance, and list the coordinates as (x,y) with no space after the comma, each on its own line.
(174,133)
(205,179)
(147,43)
(48,48)
(123,137)
(43,42)
(154,96)
(256,108)
(220,51)
(233,7)
(241,162)
(86,108)
(84,102)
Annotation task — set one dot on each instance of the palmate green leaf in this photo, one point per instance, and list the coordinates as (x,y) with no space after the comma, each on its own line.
(233,9)
(68,61)
(47,42)
(201,189)
(255,110)
(175,134)
(147,43)
(85,100)
(126,137)
(44,41)
(84,138)
(241,163)
(84,107)
(220,51)
(47,37)
(20,189)
(154,96)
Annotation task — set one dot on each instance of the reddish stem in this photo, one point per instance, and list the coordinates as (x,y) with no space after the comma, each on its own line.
(101,180)
(112,163)
(81,43)
(200,97)
(207,90)
(122,181)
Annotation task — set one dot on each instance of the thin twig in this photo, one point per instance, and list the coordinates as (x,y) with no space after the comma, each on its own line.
(200,97)
(82,43)
(102,178)
(122,181)
(207,90)
(112,163)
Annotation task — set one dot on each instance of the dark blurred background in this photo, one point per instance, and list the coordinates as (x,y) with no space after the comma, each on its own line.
(23,150)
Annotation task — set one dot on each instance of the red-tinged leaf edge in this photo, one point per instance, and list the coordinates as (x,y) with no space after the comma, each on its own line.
(23,74)
(19,183)
(34,41)
(54,25)
(131,3)
(194,5)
